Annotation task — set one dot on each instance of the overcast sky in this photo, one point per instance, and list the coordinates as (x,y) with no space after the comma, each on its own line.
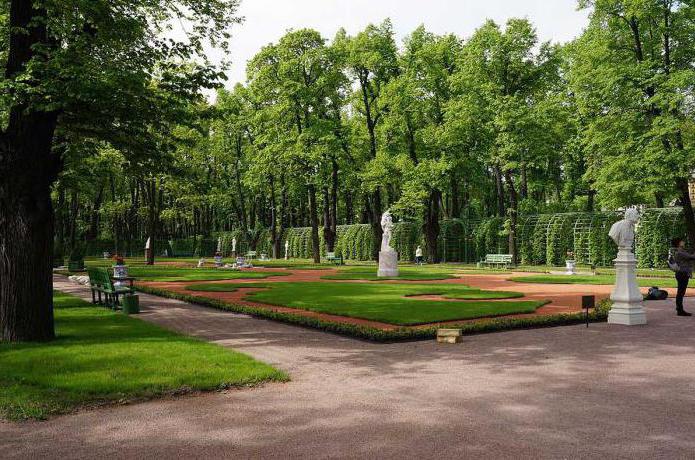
(267,20)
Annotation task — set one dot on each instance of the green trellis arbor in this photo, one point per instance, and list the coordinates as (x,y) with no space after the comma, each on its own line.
(542,239)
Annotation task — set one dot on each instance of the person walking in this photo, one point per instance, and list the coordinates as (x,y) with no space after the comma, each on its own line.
(681,262)
(418,256)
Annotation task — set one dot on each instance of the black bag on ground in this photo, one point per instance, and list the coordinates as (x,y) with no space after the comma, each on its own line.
(655,293)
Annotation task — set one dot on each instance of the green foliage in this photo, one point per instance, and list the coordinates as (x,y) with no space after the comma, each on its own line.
(103,357)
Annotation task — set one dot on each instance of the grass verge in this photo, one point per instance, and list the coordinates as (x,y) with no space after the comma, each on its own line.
(592,279)
(102,357)
(409,273)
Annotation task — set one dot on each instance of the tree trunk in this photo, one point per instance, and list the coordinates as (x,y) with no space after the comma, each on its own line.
(27,170)
(500,192)
(431,226)
(688,214)
(375,218)
(455,197)
(313,216)
(513,217)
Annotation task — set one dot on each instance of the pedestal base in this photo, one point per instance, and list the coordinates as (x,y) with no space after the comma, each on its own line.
(627,315)
(627,306)
(388,264)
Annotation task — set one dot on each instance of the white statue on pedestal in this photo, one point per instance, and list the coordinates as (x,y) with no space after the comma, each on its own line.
(287,250)
(388,258)
(234,246)
(627,298)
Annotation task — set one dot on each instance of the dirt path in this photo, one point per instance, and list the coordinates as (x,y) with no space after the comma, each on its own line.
(570,392)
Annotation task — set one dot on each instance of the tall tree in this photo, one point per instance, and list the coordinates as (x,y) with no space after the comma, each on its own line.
(73,65)
(632,73)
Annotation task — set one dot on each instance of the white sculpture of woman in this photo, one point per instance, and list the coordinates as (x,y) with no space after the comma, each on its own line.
(287,249)
(234,245)
(387,227)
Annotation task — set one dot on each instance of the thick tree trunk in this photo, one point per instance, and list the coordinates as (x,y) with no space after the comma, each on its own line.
(27,170)
(431,226)
(313,216)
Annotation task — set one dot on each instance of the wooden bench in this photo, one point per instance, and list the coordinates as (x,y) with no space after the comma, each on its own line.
(101,282)
(331,257)
(498,260)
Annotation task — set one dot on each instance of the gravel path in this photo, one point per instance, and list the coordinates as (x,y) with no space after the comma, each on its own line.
(568,392)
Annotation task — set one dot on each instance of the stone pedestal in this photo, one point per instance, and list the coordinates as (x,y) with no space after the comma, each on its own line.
(627,299)
(570,266)
(388,264)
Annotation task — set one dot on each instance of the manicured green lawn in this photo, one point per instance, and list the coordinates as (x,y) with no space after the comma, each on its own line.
(385,303)
(412,273)
(596,279)
(101,356)
(163,273)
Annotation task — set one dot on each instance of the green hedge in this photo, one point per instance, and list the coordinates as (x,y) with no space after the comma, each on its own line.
(599,314)
(541,240)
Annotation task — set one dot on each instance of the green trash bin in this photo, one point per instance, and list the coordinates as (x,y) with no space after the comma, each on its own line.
(131,304)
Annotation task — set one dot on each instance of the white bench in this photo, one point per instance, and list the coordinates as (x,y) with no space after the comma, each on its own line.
(498,260)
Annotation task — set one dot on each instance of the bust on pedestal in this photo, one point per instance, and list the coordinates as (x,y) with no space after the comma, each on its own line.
(388,257)
(627,299)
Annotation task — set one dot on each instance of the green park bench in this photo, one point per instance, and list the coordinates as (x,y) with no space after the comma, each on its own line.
(498,260)
(101,282)
(331,257)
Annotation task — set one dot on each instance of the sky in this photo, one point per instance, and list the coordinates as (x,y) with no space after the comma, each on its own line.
(267,20)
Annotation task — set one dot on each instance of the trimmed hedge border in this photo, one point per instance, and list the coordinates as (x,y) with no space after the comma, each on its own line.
(599,314)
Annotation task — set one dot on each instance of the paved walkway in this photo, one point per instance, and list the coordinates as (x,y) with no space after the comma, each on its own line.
(568,392)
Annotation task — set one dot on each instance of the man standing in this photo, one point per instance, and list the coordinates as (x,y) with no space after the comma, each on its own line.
(418,256)
(681,262)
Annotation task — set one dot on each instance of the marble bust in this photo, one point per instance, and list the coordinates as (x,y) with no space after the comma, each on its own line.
(387,227)
(623,231)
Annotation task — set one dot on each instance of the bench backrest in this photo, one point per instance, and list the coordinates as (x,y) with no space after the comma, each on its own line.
(498,258)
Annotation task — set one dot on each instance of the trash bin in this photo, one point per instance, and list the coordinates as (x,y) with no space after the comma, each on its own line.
(131,304)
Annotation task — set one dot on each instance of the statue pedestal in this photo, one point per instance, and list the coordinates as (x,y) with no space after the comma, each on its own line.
(627,299)
(388,264)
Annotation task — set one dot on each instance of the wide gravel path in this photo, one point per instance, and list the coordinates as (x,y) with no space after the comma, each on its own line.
(566,392)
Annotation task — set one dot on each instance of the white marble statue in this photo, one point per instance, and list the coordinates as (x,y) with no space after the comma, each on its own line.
(623,231)
(287,250)
(234,245)
(148,244)
(387,227)
(219,244)
(627,306)
(388,257)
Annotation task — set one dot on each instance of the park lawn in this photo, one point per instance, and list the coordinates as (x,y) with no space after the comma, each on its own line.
(591,279)
(164,273)
(408,273)
(100,357)
(386,303)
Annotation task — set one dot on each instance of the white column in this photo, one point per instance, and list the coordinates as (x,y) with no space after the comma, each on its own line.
(627,299)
